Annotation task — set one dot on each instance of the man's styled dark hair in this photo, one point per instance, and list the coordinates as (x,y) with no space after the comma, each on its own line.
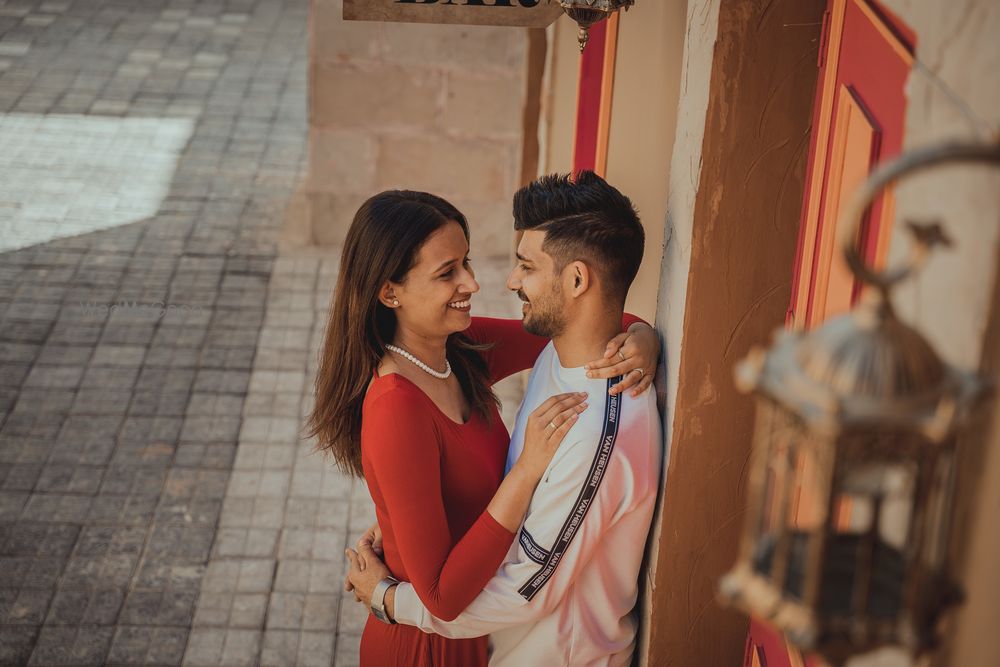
(584,219)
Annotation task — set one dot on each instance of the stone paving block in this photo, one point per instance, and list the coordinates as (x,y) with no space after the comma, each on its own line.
(285,610)
(214,404)
(327,576)
(110,541)
(118,355)
(213,609)
(138,645)
(51,507)
(241,647)
(65,645)
(280,648)
(292,576)
(166,646)
(273,403)
(257,512)
(32,572)
(121,509)
(111,571)
(26,450)
(155,573)
(109,377)
(19,476)
(90,430)
(248,610)
(24,606)
(245,543)
(332,513)
(205,455)
(70,479)
(101,402)
(33,539)
(97,606)
(255,576)
(315,544)
(16,643)
(188,544)
(316,650)
(153,454)
(55,403)
(320,611)
(54,377)
(210,428)
(11,504)
(353,615)
(204,647)
(159,607)
(221,381)
(130,480)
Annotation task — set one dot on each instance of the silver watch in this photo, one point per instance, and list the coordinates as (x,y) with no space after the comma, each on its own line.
(378,599)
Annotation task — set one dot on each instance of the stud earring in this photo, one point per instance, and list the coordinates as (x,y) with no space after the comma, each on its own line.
(395,302)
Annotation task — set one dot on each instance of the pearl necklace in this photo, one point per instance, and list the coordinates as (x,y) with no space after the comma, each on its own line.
(421,365)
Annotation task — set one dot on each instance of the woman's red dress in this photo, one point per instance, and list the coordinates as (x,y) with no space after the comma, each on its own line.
(431,479)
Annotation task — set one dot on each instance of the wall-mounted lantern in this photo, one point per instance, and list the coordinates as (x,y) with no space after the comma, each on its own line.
(852,468)
(588,12)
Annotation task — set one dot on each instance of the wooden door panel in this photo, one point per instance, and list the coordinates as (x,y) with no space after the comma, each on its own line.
(858,121)
(855,140)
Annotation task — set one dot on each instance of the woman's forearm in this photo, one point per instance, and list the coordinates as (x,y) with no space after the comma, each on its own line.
(510,503)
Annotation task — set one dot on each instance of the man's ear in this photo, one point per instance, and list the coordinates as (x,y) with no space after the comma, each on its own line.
(579,278)
(387,295)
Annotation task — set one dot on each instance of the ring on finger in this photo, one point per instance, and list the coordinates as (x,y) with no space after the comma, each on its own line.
(642,373)
(622,355)
(552,425)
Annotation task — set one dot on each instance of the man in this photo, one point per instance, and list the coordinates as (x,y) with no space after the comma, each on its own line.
(565,593)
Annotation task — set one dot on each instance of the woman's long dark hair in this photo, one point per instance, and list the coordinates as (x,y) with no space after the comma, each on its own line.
(382,244)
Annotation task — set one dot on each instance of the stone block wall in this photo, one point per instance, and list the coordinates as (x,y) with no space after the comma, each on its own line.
(412,106)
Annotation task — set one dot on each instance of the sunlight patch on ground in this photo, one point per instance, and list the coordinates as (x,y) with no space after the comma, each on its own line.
(64,175)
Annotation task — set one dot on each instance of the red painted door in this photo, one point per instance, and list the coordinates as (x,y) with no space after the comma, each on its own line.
(858,121)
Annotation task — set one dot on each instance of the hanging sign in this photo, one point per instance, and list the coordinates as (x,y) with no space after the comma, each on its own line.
(522,13)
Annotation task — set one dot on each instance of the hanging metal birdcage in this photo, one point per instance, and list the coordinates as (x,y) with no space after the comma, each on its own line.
(588,12)
(853,463)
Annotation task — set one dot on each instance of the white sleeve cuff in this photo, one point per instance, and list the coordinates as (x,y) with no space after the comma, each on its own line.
(407,607)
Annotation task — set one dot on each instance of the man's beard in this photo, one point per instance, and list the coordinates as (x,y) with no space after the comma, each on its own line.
(545,317)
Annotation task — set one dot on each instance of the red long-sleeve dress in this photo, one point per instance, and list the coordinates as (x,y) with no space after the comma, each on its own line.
(431,480)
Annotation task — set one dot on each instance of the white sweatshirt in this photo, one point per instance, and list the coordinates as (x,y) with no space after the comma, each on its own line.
(565,593)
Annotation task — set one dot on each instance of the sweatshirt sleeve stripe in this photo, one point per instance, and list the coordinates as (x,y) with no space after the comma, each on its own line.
(531,548)
(588,492)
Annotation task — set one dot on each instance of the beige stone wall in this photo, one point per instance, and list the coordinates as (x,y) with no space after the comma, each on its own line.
(956,42)
(955,297)
(643,119)
(562,70)
(424,107)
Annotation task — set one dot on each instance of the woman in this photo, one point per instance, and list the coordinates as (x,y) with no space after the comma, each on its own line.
(403,399)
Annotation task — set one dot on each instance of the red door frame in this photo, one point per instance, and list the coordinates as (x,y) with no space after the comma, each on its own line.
(595,88)
(874,240)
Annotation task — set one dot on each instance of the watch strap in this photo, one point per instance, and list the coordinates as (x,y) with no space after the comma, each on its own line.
(378,599)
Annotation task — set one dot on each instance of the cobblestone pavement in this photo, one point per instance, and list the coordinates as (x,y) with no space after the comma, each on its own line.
(157,505)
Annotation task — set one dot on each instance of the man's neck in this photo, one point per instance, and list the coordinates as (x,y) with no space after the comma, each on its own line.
(586,338)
